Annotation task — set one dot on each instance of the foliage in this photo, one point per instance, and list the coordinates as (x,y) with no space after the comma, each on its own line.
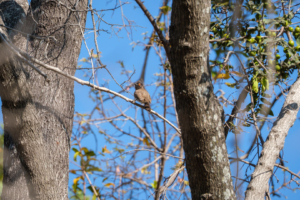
(262,36)
(257,44)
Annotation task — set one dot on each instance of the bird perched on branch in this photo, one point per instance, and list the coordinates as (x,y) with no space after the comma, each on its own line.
(142,95)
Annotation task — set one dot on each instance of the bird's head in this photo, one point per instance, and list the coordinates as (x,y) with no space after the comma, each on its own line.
(138,85)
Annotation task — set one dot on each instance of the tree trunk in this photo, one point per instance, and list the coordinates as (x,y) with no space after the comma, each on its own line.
(38,115)
(200,114)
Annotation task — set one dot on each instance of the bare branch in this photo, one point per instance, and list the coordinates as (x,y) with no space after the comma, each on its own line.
(82,82)
(158,31)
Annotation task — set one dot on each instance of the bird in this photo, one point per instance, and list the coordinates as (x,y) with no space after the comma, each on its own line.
(142,95)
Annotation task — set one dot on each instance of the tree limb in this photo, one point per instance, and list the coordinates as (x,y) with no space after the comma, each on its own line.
(158,31)
(82,82)
(264,169)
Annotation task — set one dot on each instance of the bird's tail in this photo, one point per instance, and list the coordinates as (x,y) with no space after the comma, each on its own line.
(147,106)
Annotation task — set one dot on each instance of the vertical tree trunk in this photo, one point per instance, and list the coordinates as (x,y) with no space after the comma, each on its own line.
(37,114)
(200,114)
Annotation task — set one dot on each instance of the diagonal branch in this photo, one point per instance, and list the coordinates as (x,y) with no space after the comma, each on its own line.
(23,55)
(274,144)
(158,31)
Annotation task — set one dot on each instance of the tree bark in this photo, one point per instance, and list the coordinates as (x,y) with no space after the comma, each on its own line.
(258,186)
(37,114)
(200,114)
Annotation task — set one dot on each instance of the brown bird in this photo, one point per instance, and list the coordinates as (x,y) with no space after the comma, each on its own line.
(142,95)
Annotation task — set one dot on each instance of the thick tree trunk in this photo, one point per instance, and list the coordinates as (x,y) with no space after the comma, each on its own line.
(37,114)
(200,114)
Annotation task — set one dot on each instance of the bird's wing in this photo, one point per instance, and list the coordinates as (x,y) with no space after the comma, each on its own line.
(142,96)
(149,97)
(138,94)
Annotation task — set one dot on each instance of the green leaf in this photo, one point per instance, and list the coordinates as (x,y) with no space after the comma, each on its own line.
(93,168)
(75,180)
(258,12)
(154,184)
(291,15)
(165,9)
(213,74)
(91,189)
(90,153)
(232,85)
(255,86)
(215,45)
(75,155)
(265,84)
(84,149)
(229,43)
(248,107)
(105,179)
